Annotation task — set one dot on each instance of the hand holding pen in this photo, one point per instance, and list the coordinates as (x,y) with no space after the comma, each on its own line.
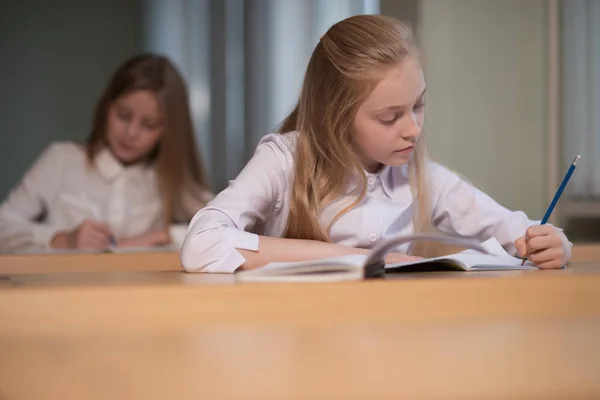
(546,246)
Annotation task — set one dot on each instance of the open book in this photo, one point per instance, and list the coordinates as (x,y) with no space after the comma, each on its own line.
(486,256)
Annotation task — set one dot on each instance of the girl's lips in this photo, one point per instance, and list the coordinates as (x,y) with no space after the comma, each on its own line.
(408,149)
(125,146)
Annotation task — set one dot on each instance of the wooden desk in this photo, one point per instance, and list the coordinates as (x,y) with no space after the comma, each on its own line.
(174,278)
(88,262)
(115,278)
(586,252)
(49,263)
(532,335)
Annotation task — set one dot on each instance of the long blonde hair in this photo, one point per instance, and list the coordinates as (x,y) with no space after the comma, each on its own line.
(181,179)
(343,69)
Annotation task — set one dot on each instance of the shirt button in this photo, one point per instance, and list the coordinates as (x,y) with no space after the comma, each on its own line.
(372,238)
(371,181)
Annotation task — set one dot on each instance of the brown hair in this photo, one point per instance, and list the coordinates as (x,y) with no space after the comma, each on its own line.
(181,178)
(343,69)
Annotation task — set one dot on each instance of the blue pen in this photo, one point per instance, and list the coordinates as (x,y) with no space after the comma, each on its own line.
(558,193)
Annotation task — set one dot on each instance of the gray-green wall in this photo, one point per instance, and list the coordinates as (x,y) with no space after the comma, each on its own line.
(56,56)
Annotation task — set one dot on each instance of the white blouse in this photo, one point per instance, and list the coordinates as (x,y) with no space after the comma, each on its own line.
(257,203)
(61,190)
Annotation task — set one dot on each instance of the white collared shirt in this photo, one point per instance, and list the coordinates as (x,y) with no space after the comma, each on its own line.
(257,202)
(63,190)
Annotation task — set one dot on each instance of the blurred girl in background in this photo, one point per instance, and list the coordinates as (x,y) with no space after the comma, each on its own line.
(138,175)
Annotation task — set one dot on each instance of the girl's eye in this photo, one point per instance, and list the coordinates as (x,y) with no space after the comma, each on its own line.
(150,127)
(390,121)
(123,115)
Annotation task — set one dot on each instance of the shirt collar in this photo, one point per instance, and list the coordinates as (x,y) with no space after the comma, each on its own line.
(110,168)
(397,177)
(391,177)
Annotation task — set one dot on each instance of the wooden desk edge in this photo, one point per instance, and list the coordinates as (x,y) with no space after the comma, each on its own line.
(88,262)
(158,261)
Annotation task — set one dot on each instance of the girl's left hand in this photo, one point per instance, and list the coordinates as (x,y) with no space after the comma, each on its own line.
(545,246)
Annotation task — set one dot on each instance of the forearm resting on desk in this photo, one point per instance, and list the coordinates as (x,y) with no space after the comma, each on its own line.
(288,250)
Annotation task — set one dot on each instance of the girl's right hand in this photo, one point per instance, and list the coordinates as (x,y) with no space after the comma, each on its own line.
(90,234)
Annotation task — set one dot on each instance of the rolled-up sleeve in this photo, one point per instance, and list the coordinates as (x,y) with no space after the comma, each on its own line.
(223,226)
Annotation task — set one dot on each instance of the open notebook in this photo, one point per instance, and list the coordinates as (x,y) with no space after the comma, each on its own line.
(489,256)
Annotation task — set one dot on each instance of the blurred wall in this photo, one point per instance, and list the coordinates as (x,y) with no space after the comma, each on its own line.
(56,58)
(486,98)
(485,64)
(405,10)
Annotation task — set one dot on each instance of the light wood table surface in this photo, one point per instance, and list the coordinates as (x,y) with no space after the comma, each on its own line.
(137,278)
(49,263)
(586,252)
(41,263)
(438,336)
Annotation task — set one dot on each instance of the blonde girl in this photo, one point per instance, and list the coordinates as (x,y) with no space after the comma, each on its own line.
(349,166)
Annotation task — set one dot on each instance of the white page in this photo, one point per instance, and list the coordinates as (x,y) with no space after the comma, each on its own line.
(468,257)
(497,257)
(311,276)
(493,247)
(355,260)
(335,269)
